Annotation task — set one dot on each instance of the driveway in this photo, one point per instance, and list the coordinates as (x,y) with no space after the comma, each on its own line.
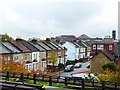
(68,74)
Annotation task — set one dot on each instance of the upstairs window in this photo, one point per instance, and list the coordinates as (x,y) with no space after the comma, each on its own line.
(94,46)
(100,47)
(110,47)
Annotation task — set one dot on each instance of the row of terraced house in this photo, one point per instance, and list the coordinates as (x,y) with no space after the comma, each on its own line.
(32,53)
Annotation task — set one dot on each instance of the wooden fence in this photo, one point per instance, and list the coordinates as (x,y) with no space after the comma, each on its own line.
(66,80)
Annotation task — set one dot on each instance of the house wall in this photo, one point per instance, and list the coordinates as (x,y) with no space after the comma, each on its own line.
(71,51)
(97,62)
(105,47)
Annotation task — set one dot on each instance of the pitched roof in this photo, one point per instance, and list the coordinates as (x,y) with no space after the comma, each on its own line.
(11,47)
(37,46)
(83,36)
(49,45)
(56,46)
(29,46)
(108,55)
(44,45)
(20,46)
(4,50)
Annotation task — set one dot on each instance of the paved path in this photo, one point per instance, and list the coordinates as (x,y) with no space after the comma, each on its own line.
(56,88)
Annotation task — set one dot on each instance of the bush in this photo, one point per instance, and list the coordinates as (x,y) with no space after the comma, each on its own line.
(110,66)
(70,62)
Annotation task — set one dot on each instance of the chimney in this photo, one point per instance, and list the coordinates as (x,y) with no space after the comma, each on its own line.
(34,41)
(19,40)
(114,34)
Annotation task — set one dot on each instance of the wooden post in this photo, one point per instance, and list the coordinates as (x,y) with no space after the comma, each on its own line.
(74,80)
(50,80)
(103,85)
(43,77)
(83,85)
(34,78)
(65,81)
(93,83)
(7,76)
(13,74)
(28,75)
(21,76)
(115,85)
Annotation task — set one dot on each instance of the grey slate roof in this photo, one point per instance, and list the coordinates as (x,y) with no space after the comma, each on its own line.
(44,45)
(37,46)
(11,47)
(56,46)
(49,45)
(4,50)
(29,46)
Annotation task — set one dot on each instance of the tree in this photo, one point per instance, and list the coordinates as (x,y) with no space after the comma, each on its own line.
(6,38)
(110,66)
(13,66)
(53,59)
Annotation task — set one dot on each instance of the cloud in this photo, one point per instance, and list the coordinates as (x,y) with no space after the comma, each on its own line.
(40,18)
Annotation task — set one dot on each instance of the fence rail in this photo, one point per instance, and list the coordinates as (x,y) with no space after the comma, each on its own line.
(66,80)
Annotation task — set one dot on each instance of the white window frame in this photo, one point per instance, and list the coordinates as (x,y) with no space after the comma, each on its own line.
(110,47)
(94,47)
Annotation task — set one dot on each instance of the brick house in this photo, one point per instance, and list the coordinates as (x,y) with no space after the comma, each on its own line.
(98,60)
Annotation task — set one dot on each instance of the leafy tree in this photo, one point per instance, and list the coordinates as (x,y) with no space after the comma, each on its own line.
(10,65)
(110,66)
(53,59)
(6,38)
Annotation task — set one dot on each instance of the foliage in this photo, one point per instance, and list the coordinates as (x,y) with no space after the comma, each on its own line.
(10,65)
(70,63)
(6,38)
(110,66)
(53,59)
(61,66)
(110,75)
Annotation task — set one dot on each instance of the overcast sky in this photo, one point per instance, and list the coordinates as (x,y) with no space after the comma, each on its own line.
(45,18)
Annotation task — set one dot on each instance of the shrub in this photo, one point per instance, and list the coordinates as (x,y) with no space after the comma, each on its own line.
(110,66)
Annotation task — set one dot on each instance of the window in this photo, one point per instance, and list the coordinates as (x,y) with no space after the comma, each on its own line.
(94,46)
(16,58)
(110,47)
(100,47)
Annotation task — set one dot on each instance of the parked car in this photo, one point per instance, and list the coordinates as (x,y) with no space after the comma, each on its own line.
(69,68)
(78,65)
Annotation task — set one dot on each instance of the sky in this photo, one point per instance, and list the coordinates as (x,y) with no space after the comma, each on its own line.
(50,18)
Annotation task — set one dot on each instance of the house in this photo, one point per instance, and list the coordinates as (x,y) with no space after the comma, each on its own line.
(5,53)
(100,46)
(54,51)
(40,56)
(98,60)
(74,51)
(16,52)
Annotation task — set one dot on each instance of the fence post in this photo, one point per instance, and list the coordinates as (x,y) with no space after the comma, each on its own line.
(103,85)
(13,74)
(65,81)
(28,75)
(21,76)
(43,77)
(115,85)
(7,76)
(74,80)
(34,78)
(50,80)
(83,84)
(93,83)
